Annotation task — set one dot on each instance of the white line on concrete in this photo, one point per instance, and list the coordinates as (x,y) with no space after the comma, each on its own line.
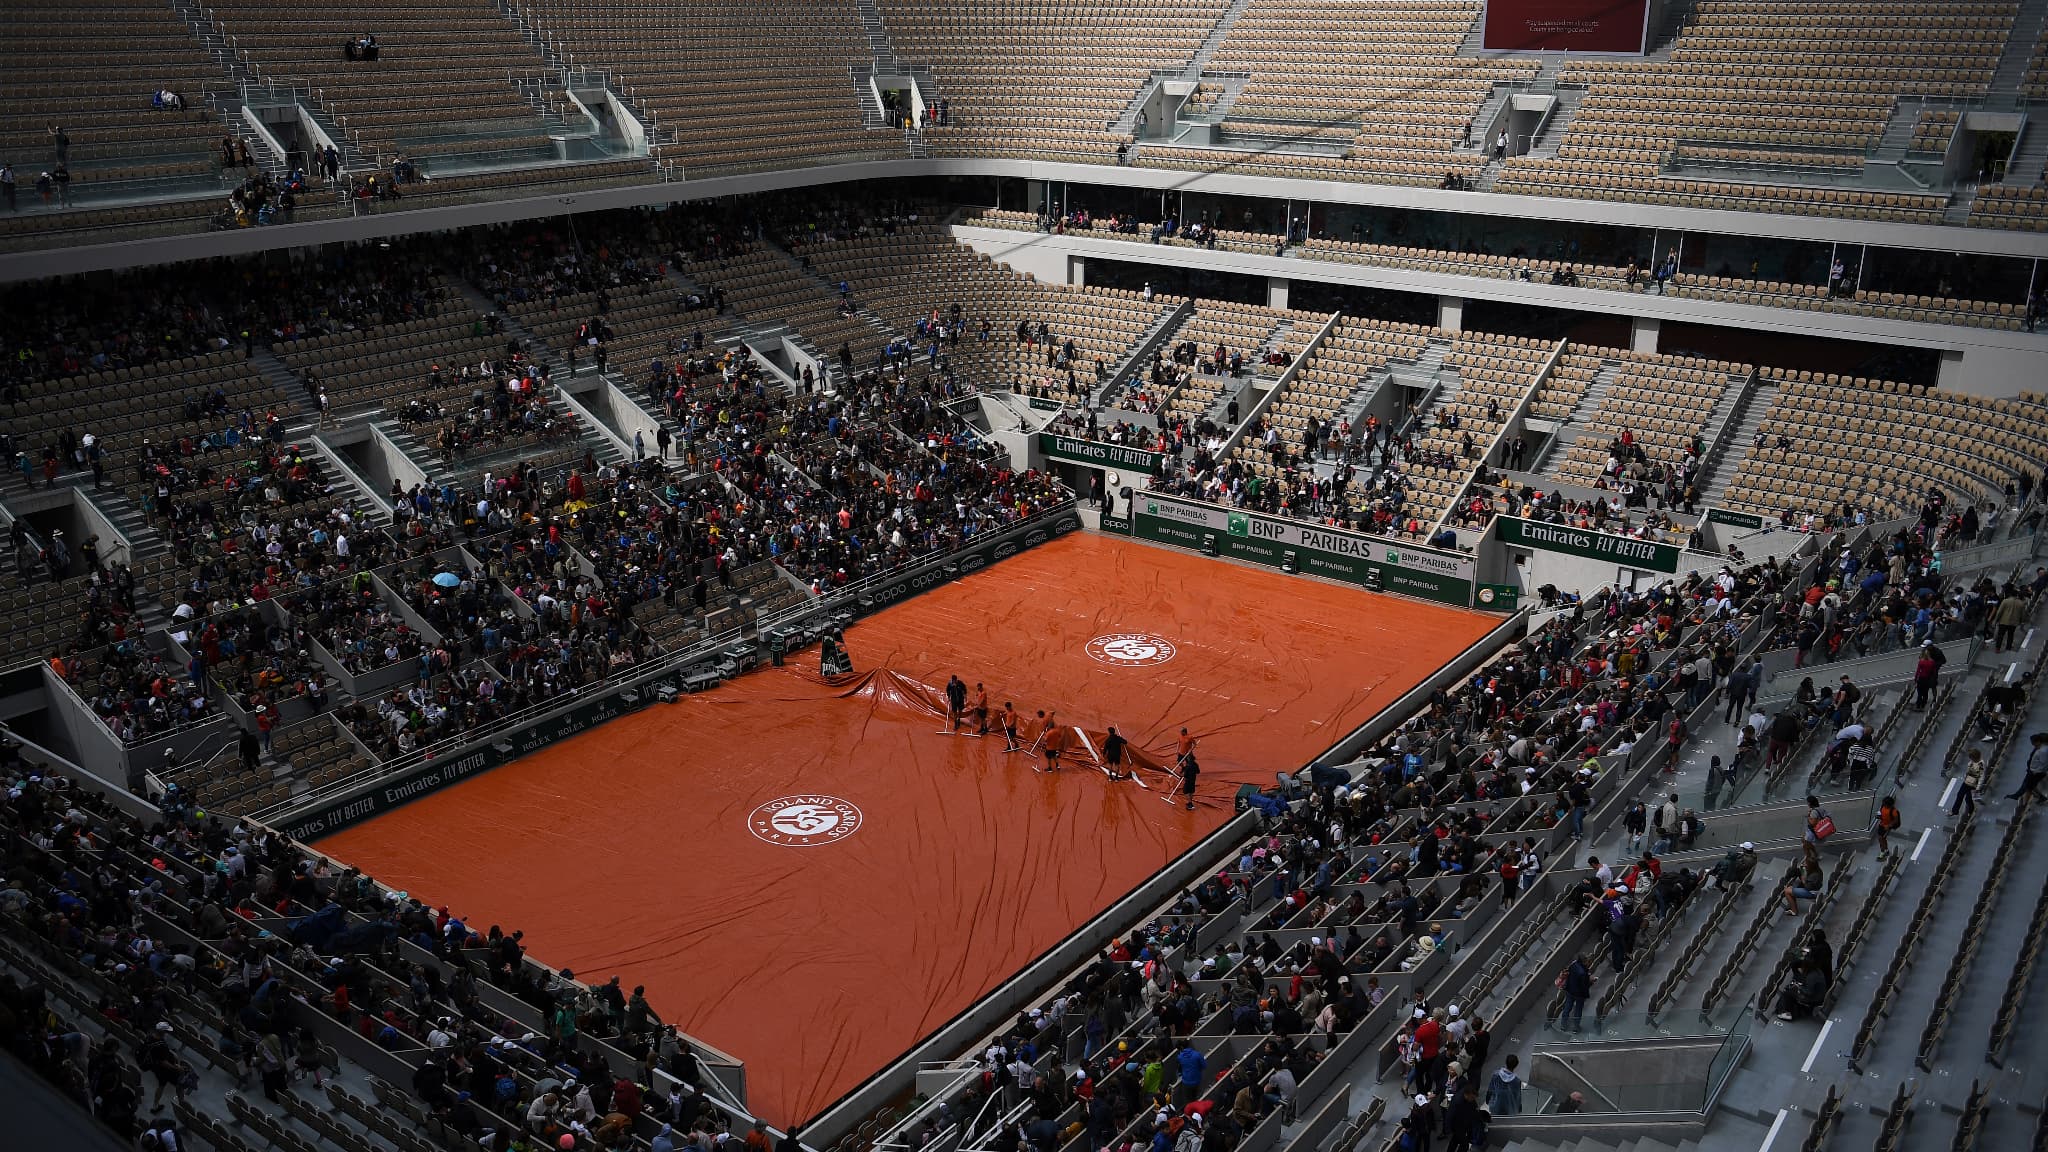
(1813,1053)
(1924,834)
(1948,794)
(1772,1136)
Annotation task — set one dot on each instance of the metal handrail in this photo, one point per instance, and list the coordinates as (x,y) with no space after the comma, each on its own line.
(1581,1078)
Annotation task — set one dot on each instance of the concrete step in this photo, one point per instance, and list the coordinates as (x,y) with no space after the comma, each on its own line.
(2027,27)
(1727,463)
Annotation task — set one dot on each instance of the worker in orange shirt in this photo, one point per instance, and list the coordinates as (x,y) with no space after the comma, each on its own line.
(1050,740)
(1007,718)
(977,709)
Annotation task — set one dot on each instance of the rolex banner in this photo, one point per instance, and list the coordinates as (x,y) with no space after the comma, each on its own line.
(1353,557)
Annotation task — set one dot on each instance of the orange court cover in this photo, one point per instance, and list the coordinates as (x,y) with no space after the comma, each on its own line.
(813,876)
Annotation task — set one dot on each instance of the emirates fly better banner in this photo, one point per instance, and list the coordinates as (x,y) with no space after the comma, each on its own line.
(1566,25)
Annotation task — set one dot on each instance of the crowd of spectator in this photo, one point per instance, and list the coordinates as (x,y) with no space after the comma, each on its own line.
(1381,865)
(1498,495)
(150,928)
(135,690)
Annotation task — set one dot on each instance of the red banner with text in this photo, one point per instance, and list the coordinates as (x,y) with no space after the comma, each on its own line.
(1565,25)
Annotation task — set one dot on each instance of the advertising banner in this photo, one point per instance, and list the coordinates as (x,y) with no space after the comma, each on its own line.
(1734,519)
(1627,551)
(1566,26)
(1097,454)
(1353,557)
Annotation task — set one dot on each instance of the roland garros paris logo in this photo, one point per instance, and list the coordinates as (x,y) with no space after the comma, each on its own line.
(1131,649)
(804,821)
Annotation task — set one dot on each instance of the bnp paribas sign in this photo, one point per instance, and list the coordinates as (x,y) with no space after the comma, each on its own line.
(1354,557)
(1626,551)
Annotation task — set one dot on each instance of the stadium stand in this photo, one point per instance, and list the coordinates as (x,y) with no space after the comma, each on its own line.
(439,89)
(378,625)
(97,73)
(1620,278)
(1751,73)
(1882,446)
(729,89)
(1043,339)
(1046,85)
(1385,94)
(1651,417)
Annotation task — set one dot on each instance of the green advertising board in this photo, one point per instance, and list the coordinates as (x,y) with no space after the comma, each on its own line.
(1097,454)
(1117,525)
(1498,597)
(1353,557)
(1626,551)
(1043,404)
(1734,519)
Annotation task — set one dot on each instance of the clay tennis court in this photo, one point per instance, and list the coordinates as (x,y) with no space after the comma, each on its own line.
(643,849)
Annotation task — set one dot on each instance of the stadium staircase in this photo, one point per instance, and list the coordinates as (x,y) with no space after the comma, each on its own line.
(144,541)
(238,73)
(2030,154)
(1897,138)
(884,64)
(1436,384)
(2029,24)
(1557,122)
(1236,388)
(562,74)
(1725,461)
(1232,83)
(428,461)
(1136,365)
(1551,462)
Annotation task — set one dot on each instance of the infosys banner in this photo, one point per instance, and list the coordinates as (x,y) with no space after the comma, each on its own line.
(1100,454)
(1353,557)
(1626,551)
(1566,26)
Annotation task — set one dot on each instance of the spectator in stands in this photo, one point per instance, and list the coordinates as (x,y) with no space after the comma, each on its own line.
(1885,822)
(1804,991)
(1809,881)
(1972,778)
(1576,983)
(2036,770)
(1504,1092)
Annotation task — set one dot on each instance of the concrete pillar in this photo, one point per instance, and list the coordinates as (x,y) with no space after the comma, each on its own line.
(1276,292)
(1450,313)
(1642,333)
(1954,375)
(1077,271)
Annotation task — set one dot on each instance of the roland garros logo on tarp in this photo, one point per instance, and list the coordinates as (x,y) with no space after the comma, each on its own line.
(804,821)
(1131,649)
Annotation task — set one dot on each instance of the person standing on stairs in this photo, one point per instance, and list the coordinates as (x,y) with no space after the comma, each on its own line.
(2037,767)
(1966,787)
